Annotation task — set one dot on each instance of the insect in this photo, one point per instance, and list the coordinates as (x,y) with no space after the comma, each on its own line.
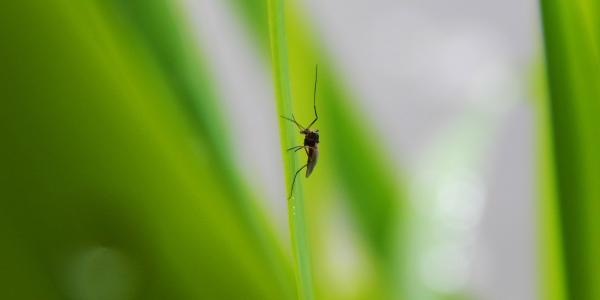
(311,139)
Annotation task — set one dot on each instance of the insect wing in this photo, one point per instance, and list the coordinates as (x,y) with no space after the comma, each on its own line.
(313,155)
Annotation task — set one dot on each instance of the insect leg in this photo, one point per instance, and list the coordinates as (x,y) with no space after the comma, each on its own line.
(315,97)
(293,120)
(294,180)
(296,148)
(306,148)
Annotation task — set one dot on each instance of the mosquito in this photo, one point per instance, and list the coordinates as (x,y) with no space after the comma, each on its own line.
(311,139)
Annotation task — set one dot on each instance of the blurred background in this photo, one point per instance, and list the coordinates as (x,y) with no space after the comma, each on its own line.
(141,154)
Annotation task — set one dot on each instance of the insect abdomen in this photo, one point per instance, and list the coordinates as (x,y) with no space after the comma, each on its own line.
(313,155)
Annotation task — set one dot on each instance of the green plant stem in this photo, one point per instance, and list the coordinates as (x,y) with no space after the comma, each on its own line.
(288,136)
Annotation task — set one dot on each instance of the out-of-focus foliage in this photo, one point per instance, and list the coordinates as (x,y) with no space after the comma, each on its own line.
(551,260)
(110,188)
(118,180)
(572,40)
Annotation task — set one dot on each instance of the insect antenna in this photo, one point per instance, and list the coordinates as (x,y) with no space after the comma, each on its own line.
(315,96)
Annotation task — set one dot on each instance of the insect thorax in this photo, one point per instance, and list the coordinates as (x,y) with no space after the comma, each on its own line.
(311,138)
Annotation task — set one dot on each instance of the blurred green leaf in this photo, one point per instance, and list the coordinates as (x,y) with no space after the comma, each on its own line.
(101,168)
(551,271)
(572,32)
(159,25)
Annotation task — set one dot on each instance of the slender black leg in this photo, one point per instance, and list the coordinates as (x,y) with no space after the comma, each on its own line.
(294,180)
(293,120)
(305,149)
(315,97)
(295,148)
